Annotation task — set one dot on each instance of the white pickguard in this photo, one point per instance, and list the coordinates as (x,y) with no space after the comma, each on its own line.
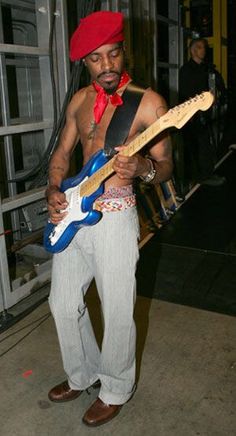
(74,213)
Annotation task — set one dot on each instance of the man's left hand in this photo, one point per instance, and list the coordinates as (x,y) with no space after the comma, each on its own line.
(129,167)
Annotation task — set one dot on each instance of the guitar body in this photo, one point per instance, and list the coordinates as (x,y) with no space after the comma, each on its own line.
(80,209)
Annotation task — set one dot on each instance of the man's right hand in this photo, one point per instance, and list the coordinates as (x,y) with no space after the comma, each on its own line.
(57,204)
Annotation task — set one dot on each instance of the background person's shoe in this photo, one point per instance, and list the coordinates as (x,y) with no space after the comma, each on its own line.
(214,180)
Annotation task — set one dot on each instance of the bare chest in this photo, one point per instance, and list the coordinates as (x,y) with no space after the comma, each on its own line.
(92,135)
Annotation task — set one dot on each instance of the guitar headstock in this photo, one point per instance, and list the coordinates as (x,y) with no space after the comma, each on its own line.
(181,114)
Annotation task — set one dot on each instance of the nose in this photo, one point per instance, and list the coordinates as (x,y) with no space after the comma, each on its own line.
(107,63)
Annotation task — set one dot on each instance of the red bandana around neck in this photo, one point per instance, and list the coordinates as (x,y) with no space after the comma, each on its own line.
(103,98)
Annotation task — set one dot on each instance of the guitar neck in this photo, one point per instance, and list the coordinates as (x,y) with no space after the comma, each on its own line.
(93,182)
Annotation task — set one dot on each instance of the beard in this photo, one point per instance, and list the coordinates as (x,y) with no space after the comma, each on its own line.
(109,86)
(111,89)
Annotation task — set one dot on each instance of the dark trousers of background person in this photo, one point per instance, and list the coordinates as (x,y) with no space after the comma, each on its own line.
(199,150)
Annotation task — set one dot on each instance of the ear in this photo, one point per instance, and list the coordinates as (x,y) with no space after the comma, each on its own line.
(84,61)
(192,50)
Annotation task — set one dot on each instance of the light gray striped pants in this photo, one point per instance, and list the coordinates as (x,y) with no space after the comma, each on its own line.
(108,252)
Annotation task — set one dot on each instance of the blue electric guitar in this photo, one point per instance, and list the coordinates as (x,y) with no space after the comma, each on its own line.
(82,190)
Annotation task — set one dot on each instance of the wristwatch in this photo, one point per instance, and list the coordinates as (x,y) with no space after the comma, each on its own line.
(152,173)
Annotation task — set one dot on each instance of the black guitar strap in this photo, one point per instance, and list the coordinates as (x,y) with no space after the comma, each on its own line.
(122,119)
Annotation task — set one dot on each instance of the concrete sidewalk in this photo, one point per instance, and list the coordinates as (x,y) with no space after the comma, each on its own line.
(186,369)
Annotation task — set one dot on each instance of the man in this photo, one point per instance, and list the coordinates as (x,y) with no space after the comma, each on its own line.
(200,150)
(107,251)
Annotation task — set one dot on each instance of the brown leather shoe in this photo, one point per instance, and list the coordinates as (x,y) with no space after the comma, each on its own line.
(100,413)
(63,392)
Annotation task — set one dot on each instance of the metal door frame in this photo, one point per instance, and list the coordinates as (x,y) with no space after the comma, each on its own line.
(42,8)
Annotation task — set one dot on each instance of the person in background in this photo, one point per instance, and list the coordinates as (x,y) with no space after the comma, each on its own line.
(108,250)
(198,135)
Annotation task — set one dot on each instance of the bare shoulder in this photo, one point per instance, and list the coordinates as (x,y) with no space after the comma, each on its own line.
(77,101)
(152,101)
(152,107)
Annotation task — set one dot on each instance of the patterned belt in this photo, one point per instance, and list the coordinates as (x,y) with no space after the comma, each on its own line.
(115,204)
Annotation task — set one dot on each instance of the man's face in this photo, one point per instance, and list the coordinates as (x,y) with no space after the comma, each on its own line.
(105,65)
(199,50)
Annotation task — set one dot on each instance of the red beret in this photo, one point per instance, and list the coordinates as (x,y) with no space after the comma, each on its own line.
(98,28)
